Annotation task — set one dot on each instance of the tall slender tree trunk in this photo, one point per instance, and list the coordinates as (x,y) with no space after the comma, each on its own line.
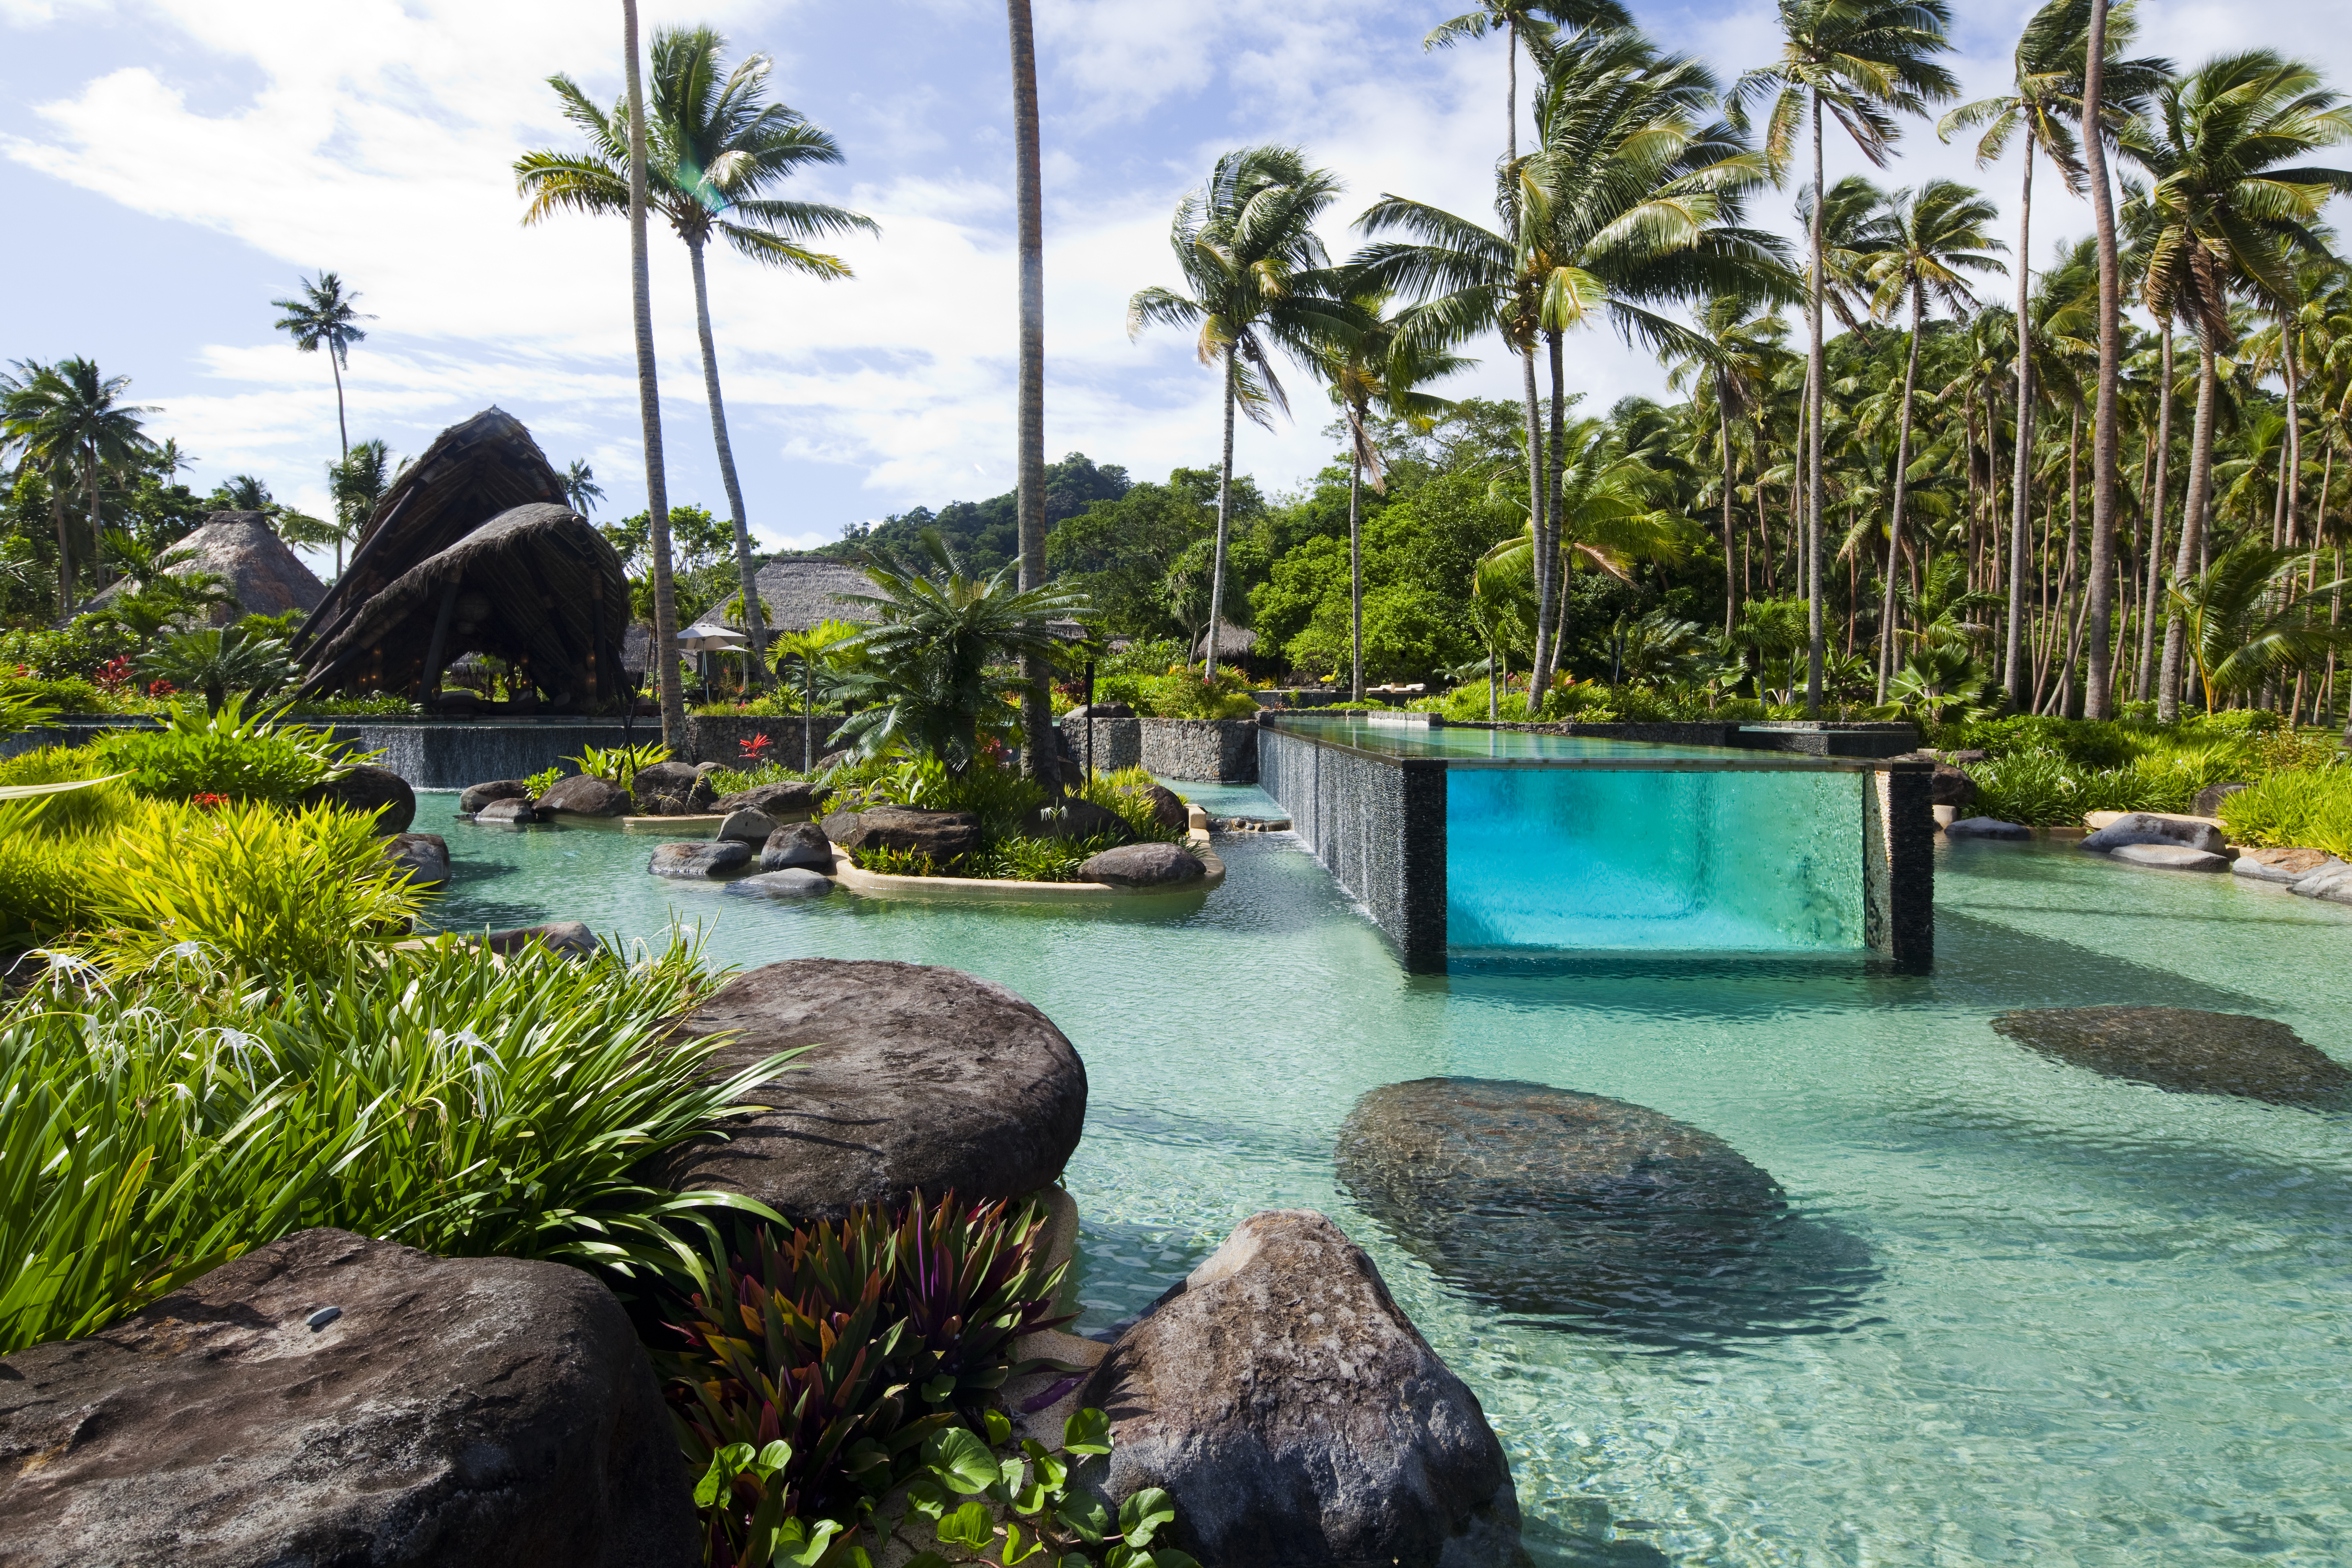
(2197,499)
(2105,430)
(1902,485)
(1815,376)
(1224,519)
(2147,677)
(1730,579)
(1355,570)
(2021,480)
(1551,596)
(96,521)
(343,426)
(2291,493)
(65,573)
(665,649)
(755,624)
(2071,633)
(1040,751)
(1536,468)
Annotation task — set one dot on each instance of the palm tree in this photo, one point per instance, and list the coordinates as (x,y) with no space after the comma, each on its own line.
(356,484)
(1247,246)
(717,145)
(1514,19)
(322,318)
(2245,624)
(1941,232)
(1864,62)
(2045,105)
(1381,362)
(1731,373)
(217,660)
(1039,755)
(665,654)
(2227,212)
(69,416)
(580,487)
(936,633)
(809,648)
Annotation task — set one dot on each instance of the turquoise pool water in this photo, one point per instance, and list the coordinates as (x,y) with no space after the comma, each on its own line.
(2046,1317)
(1401,740)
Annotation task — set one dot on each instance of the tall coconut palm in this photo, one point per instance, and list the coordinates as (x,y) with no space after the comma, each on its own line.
(1731,376)
(2228,211)
(322,317)
(718,146)
(1862,62)
(355,485)
(665,651)
(1612,513)
(2042,109)
(70,418)
(580,487)
(2245,622)
(1040,756)
(1941,233)
(1259,277)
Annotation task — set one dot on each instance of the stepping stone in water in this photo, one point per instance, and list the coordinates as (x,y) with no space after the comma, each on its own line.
(2185,1051)
(800,844)
(788,884)
(714,858)
(1987,828)
(2168,858)
(517,812)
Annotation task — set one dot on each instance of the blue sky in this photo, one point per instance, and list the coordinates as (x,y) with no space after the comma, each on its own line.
(172,165)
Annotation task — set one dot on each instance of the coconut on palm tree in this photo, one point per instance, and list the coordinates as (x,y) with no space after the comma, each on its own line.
(321,317)
(717,147)
(1864,63)
(1258,279)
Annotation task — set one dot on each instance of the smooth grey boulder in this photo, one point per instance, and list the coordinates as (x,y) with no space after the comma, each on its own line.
(571,938)
(796,883)
(794,797)
(373,790)
(482,794)
(915,1077)
(423,856)
(2184,1050)
(751,826)
(2168,858)
(513,812)
(585,795)
(2281,865)
(1151,865)
(2209,799)
(1987,828)
(1168,808)
(944,835)
(466,1412)
(1078,819)
(801,845)
(713,857)
(2333,883)
(1296,1416)
(2149,828)
(679,783)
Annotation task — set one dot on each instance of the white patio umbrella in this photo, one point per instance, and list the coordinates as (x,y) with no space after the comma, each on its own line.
(705,637)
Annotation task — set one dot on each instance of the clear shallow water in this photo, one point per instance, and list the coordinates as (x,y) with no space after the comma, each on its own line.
(1400,739)
(2076,1321)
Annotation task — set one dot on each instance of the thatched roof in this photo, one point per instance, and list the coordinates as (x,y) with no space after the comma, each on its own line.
(798,590)
(242,550)
(1231,638)
(473,472)
(537,585)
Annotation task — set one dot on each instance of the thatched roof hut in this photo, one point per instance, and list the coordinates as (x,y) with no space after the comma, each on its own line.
(240,547)
(537,586)
(798,590)
(1231,639)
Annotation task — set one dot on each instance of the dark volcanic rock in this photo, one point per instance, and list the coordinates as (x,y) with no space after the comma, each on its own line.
(1168,807)
(365,789)
(1143,865)
(2184,1050)
(944,835)
(457,1411)
(1101,710)
(1546,1201)
(584,794)
(916,1078)
(2151,828)
(791,798)
(1078,819)
(714,857)
(482,794)
(571,938)
(514,813)
(2209,799)
(1297,1417)
(1988,828)
(423,856)
(679,783)
(801,845)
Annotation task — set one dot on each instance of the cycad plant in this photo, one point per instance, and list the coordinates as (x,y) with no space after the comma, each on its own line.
(809,649)
(2243,621)
(217,660)
(716,146)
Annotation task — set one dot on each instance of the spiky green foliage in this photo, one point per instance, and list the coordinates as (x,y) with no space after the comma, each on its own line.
(225,751)
(2311,807)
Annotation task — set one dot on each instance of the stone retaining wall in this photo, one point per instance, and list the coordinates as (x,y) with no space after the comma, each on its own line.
(1204,751)
(1118,742)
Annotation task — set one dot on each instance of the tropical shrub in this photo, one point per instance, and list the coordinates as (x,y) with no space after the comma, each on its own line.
(383,705)
(620,764)
(1182,694)
(1021,859)
(225,752)
(1128,791)
(431,1096)
(980,1508)
(217,660)
(886,862)
(2306,806)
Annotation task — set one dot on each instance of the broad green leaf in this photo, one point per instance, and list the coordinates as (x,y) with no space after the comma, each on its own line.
(1142,1514)
(774,1457)
(939,1389)
(969,1526)
(999,1428)
(1087,1432)
(961,1459)
(1031,1499)
(714,1480)
(1085,1517)
(1168,1557)
(927,1497)
(805,1554)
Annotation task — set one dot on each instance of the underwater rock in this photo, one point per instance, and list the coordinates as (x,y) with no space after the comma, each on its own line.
(915,1077)
(459,1412)
(2183,1050)
(689,860)
(2168,858)
(1297,1417)
(482,794)
(1143,865)
(584,794)
(800,844)
(423,856)
(1987,828)
(789,884)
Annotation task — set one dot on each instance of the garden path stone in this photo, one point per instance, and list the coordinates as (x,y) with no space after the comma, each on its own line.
(750,826)
(514,813)
(1296,1416)
(2155,828)
(792,797)
(714,857)
(2185,1051)
(462,1412)
(917,1077)
(482,794)
(584,794)
(1143,865)
(2172,857)
(2282,865)
(369,789)
(1987,828)
(796,883)
(944,835)
(424,857)
(797,844)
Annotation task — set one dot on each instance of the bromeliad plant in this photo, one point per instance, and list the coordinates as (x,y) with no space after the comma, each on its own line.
(620,764)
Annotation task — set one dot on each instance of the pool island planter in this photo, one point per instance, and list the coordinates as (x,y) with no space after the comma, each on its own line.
(1851,866)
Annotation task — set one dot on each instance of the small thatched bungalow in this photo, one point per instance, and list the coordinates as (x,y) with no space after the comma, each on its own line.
(258,569)
(798,590)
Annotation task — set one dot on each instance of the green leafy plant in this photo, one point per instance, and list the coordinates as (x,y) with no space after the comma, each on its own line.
(24,705)
(886,862)
(981,1508)
(1026,860)
(620,764)
(225,751)
(1182,694)
(539,783)
(218,660)
(2311,807)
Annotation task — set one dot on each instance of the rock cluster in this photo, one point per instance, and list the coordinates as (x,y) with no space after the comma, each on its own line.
(2184,1050)
(944,835)
(482,794)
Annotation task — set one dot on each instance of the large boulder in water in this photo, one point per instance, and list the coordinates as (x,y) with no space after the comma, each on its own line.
(585,795)
(2155,828)
(1543,1200)
(915,1077)
(2184,1050)
(371,790)
(331,1399)
(944,835)
(482,794)
(1297,1417)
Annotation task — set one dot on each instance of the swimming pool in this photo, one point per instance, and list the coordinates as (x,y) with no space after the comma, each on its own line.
(2050,1318)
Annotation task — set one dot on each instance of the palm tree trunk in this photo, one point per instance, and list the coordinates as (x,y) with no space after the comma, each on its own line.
(64,545)
(2106,425)
(1224,519)
(754,623)
(1730,581)
(2155,523)
(665,649)
(2291,493)
(2196,500)
(1902,478)
(1536,468)
(1039,750)
(2072,636)
(343,425)
(2021,478)
(1812,545)
(97,523)
(1356,569)
(1551,599)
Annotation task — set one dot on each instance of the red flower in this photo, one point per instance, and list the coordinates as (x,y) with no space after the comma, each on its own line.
(756,746)
(207,800)
(160,688)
